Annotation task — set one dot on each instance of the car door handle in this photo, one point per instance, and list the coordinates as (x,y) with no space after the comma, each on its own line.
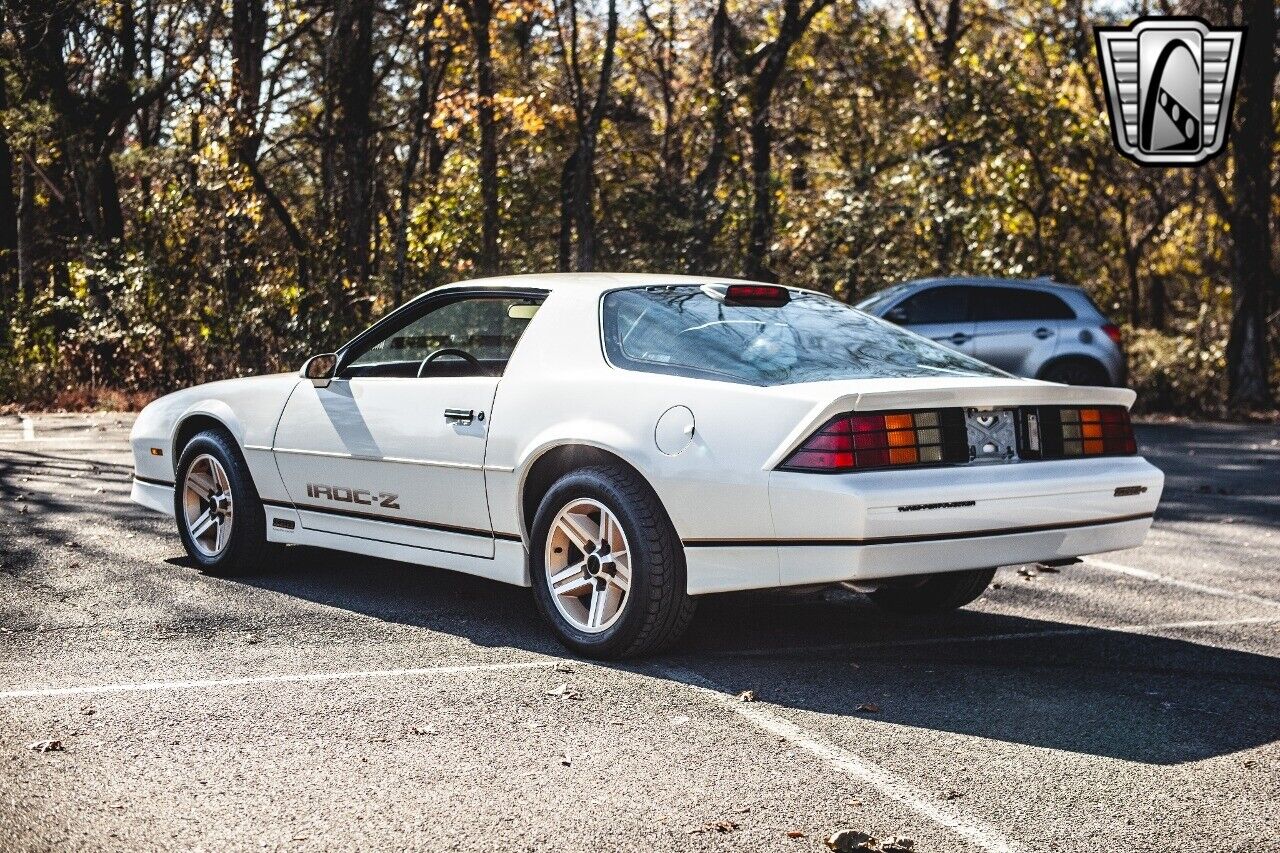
(460,416)
(1043,333)
(959,338)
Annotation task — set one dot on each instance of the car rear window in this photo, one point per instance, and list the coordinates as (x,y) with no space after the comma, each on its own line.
(686,331)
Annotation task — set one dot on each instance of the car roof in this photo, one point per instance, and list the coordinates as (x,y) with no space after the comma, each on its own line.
(597,282)
(990,281)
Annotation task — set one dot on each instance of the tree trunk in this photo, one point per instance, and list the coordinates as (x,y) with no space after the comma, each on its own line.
(1158,303)
(584,179)
(479,14)
(703,225)
(8,220)
(1132,260)
(1251,276)
(26,233)
(564,238)
(794,23)
(350,68)
(761,185)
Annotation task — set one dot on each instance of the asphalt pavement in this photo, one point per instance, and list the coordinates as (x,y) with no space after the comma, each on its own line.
(1131,702)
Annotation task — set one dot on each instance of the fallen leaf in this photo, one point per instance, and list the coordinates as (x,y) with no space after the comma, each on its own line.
(564,691)
(868,707)
(562,667)
(566,760)
(747,696)
(951,794)
(853,801)
(849,841)
(88,710)
(1027,572)
(897,844)
(997,586)
(423,730)
(795,833)
(1048,570)
(46,746)
(722,827)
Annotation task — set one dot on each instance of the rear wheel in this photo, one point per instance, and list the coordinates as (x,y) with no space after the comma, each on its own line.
(608,570)
(933,593)
(220,517)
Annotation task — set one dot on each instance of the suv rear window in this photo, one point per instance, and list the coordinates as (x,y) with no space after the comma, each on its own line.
(685,331)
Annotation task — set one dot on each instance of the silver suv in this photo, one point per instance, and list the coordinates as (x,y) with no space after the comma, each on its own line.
(1037,328)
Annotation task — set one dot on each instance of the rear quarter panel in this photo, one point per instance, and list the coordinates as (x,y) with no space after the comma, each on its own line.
(558,389)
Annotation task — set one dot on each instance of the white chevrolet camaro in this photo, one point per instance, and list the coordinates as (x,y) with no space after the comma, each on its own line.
(626,443)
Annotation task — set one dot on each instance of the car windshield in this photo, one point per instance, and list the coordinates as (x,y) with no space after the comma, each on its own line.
(687,331)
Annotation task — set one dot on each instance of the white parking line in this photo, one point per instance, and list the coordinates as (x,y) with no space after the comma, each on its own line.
(1076,630)
(1171,581)
(851,764)
(28,428)
(196,684)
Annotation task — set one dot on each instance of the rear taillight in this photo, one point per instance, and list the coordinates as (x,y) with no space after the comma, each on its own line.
(1065,432)
(862,440)
(1111,330)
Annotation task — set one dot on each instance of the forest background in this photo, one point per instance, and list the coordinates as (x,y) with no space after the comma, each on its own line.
(196,191)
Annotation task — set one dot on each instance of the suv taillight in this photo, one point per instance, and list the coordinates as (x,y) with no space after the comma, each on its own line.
(1111,330)
(863,440)
(1067,432)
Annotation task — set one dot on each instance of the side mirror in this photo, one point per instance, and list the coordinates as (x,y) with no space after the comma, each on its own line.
(896,315)
(320,369)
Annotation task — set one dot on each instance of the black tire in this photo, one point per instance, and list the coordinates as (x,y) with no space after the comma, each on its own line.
(933,593)
(247,550)
(1076,371)
(657,609)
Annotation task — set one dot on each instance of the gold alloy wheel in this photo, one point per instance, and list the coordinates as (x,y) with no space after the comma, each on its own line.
(207,506)
(588,565)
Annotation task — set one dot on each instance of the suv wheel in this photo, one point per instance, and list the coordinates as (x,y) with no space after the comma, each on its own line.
(607,568)
(1076,371)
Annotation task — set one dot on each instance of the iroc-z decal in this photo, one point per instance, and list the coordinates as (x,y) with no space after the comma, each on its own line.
(350,495)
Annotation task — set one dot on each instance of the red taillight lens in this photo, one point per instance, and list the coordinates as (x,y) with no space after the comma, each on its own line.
(880,440)
(1111,330)
(1069,432)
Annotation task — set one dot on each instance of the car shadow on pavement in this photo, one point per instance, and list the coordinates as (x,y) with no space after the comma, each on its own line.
(1214,472)
(1043,683)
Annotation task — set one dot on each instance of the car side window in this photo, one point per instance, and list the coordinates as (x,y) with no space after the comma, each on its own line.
(473,336)
(935,305)
(1012,303)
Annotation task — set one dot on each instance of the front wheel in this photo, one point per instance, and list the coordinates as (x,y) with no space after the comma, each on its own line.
(220,517)
(608,571)
(933,593)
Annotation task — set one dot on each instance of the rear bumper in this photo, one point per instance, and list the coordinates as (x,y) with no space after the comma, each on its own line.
(831,528)
(728,567)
